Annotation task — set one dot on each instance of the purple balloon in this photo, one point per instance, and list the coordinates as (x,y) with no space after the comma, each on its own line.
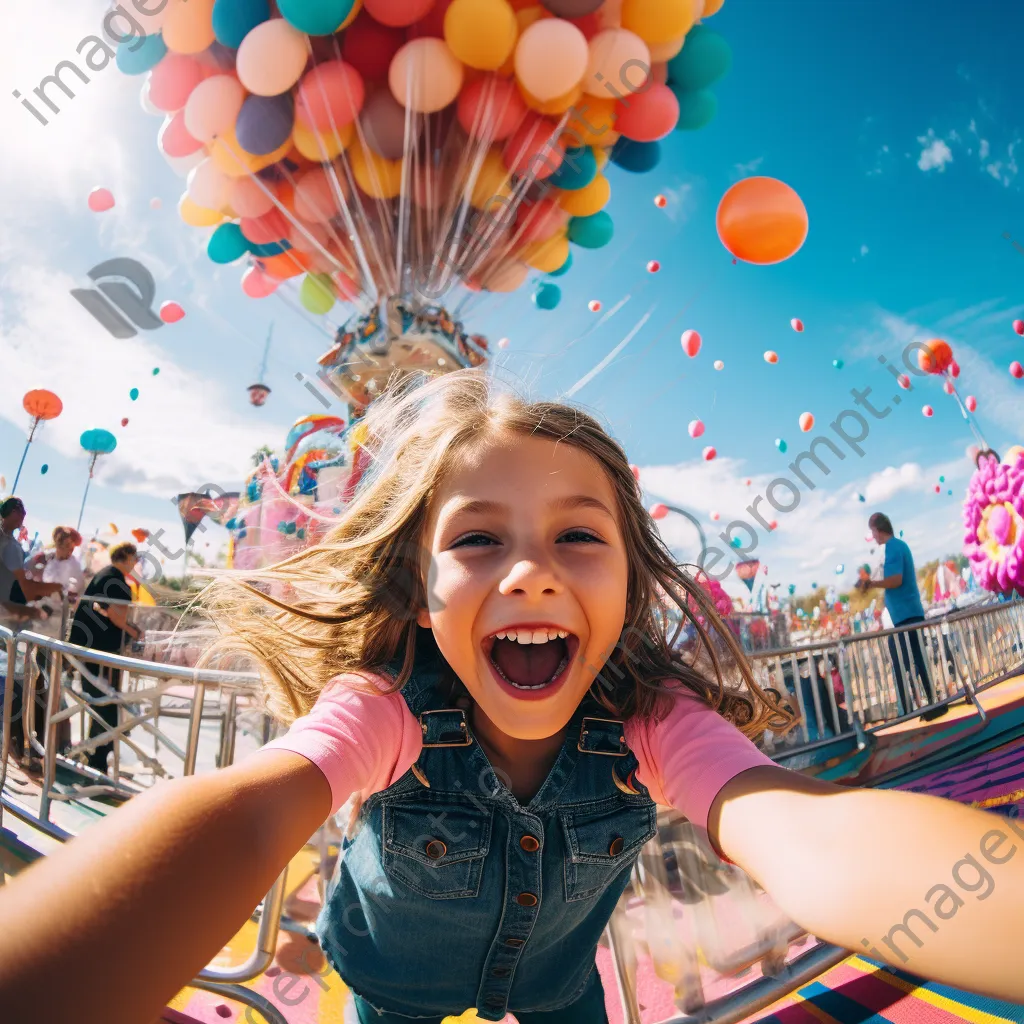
(265,123)
(572,8)
(383,123)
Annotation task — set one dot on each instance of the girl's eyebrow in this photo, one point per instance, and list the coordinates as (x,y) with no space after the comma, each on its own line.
(568,503)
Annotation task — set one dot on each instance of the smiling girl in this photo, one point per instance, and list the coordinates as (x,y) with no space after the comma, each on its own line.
(482,652)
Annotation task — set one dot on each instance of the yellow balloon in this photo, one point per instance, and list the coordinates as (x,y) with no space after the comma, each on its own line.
(661,52)
(469,1017)
(481,33)
(591,122)
(321,147)
(712,7)
(603,156)
(229,157)
(356,8)
(493,183)
(585,202)
(547,256)
(377,177)
(657,21)
(197,216)
(559,105)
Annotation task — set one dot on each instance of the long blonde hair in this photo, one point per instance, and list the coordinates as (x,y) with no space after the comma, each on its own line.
(349,603)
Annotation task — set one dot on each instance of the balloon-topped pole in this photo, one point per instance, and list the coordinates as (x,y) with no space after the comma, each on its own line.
(40,405)
(936,357)
(96,442)
(259,391)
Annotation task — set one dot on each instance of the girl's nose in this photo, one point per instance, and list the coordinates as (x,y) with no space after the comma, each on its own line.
(530,577)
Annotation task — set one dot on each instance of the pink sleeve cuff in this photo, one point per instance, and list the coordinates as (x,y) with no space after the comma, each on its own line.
(689,756)
(362,742)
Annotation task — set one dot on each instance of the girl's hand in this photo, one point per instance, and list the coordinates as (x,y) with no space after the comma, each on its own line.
(925,884)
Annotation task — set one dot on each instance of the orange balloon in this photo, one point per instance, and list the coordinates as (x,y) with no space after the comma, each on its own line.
(42,405)
(284,265)
(935,357)
(762,221)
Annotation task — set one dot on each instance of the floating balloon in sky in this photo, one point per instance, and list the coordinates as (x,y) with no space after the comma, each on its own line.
(773,524)
(942,479)
(797,324)
(719,365)
(635,470)
(171,312)
(696,428)
(904,381)
(840,569)
(781,445)
(972,452)
(948,387)
(659,511)
(101,200)
(954,369)
(133,394)
(860,497)
(691,343)
(715,516)
(1016,370)
(935,356)
(124,421)
(838,363)
(927,411)
(806,422)
(761,220)
(44,469)
(661,202)
(771,357)
(1018,326)
(971,403)
(709,453)
(155,203)
(653,267)
(503,343)
(547,296)
(748,481)
(156,371)
(594,306)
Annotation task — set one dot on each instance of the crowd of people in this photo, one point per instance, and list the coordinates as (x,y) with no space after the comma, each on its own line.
(35,589)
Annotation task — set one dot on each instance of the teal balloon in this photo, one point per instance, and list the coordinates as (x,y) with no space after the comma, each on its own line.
(637,157)
(942,479)
(949,492)
(704,59)
(317,294)
(44,469)
(696,109)
(781,445)
(577,170)
(270,249)
(233,20)
(315,17)
(136,56)
(156,371)
(133,394)
(838,363)
(547,296)
(97,441)
(563,269)
(227,244)
(593,232)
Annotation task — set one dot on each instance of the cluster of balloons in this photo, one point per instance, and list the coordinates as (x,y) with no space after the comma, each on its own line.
(307,126)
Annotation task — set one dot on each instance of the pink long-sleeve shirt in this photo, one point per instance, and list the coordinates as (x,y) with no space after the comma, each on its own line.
(364,742)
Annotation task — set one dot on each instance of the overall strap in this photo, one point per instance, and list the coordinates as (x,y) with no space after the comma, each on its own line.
(606,737)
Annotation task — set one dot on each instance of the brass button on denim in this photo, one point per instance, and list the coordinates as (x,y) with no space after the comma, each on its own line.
(435,849)
(530,844)
(526,899)
(616,848)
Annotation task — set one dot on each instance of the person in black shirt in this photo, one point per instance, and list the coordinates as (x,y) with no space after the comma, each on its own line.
(103,628)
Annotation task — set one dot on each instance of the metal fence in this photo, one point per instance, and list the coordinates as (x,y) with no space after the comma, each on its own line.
(703,926)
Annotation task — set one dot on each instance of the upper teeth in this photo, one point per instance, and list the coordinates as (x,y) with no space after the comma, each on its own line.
(532,636)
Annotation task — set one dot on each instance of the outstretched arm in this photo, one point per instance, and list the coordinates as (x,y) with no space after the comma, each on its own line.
(153,892)
(919,882)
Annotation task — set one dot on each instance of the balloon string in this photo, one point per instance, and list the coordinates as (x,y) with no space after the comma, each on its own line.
(978,436)
(591,374)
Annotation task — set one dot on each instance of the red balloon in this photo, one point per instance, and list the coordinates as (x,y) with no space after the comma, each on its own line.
(539,221)
(709,453)
(928,411)
(904,381)
(1018,326)
(491,107)
(653,267)
(171,313)
(647,116)
(271,227)
(935,357)
(954,369)
(330,96)
(124,422)
(659,511)
(971,403)
(398,13)
(535,148)
(369,46)
(432,23)
(1016,370)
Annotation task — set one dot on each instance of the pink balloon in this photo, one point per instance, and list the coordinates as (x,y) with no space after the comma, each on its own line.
(771,357)
(397,13)
(715,517)
(101,200)
(928,411)
(648,116)
(490,108)
(258,285)
(696,428)
(594,306)
(797,324)
(171,313)
(948,387)
(806,422)
(174,139)
(1018,326)
(659,511)
(330,96)
(709,453)
(773,524)
(904,381)
(971,402)
(691,343)
(653,267)
(171,82)
(503,343)
(1016,370)
(635,470)
(954,369)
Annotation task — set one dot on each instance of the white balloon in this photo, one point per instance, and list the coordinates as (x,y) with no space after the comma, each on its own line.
(184,165)
(208,186)
(146,104)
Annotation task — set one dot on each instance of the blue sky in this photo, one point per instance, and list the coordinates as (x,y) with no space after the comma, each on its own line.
(900,130)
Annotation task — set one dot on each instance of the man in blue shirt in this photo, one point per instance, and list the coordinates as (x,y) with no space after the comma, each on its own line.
(903,602)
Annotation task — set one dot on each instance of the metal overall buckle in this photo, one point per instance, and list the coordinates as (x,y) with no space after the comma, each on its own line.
(607,737)
(451,730)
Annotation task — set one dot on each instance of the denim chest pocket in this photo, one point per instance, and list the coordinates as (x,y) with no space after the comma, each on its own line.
(436,849)
(601,841)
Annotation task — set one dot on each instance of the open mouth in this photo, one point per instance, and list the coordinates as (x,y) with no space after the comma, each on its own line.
(531,658)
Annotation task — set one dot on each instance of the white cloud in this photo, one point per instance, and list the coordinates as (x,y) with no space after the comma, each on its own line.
(935,155)
(983,149)
(890,481)
(181,431)
(745,170)
(863,250)
(681,202)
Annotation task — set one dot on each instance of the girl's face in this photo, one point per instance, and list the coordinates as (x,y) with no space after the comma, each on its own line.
(526,579)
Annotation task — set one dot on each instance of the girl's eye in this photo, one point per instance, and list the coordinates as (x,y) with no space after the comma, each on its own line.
(576,536)
(474,540)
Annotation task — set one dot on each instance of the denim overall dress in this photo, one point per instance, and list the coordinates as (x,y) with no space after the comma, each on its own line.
(452,895)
